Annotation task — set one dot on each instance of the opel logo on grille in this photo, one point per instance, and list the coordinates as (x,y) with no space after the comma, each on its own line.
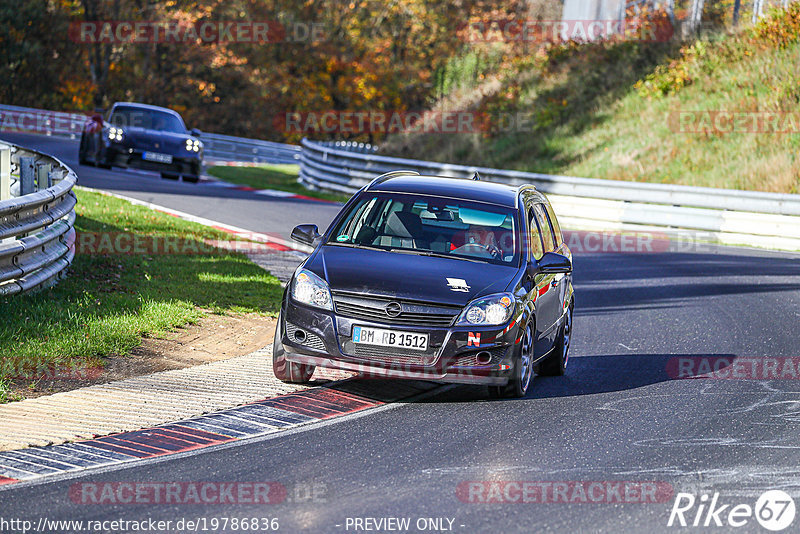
(393,309)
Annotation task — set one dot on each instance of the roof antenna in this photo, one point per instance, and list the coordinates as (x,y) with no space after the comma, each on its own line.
(477,177)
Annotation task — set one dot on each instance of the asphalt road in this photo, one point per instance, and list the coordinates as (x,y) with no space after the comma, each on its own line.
(616,416)
(239,208)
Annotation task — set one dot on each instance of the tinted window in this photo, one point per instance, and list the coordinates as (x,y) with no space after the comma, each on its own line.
(434,226)
(124,116)
(544,227)
(537,250)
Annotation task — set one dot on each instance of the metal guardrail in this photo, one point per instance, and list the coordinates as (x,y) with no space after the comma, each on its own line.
(741,217)
(218,147)
(37,217)
(40,121)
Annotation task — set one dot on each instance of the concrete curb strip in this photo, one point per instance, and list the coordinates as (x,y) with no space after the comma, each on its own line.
(140,402)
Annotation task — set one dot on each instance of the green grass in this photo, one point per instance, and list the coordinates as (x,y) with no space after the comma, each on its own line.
(278,177)
(605,111)
(107,303)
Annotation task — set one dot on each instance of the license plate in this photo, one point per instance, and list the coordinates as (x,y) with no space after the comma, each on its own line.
(155,156)
(390,338)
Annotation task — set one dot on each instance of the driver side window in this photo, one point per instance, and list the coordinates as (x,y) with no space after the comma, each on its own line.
(535,237)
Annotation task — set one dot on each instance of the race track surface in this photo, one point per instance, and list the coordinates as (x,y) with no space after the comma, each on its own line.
(617,416)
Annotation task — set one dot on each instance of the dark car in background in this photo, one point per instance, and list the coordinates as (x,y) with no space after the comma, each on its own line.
(432,278)
(144,137)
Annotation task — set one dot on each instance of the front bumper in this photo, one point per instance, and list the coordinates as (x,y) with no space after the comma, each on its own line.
(452,356)
(121,156)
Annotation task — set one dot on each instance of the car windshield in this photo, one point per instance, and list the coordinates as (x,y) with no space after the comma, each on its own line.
(432,226)
(146,118)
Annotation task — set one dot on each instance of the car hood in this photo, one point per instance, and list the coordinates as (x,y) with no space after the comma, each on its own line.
(155,140)
(408,276)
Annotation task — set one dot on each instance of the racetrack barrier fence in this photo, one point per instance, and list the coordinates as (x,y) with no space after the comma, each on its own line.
(37,219)
(760,219)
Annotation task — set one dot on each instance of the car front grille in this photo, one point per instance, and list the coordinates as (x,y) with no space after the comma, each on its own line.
(386,355)
(412,313)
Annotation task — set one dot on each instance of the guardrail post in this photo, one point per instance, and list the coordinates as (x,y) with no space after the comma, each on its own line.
(27,177)
(43,176)
(5,172)
(53,176)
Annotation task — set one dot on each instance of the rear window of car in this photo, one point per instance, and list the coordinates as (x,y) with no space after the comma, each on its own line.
(437,226)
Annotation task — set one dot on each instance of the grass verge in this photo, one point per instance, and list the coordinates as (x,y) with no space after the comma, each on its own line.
(278,177)
(108,302)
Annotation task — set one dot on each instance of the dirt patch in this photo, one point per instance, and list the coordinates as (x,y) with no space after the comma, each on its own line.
(213,338)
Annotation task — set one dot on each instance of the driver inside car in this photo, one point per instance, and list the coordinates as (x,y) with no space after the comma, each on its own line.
(478,236)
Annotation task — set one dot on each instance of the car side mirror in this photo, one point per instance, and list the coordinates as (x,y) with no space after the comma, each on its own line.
(306,234)
(551,263)
(195,132)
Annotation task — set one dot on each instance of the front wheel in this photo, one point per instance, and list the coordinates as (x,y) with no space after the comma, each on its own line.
(520,380)
(286,371)
(556,363)
(82,159)
(102,162)
(170,176)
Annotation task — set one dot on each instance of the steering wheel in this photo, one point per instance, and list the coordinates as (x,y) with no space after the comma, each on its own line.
(478,250)
(494,251)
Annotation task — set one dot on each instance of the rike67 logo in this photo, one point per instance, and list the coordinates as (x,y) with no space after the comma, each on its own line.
(774,510)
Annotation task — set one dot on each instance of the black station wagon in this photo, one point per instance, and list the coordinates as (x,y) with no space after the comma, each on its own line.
(432,278)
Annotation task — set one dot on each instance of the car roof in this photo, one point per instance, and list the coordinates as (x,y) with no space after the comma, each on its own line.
(146,106)
(442,186)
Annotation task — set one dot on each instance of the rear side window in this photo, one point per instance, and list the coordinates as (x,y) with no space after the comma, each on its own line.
(559,237)
(544,225)
(535,239)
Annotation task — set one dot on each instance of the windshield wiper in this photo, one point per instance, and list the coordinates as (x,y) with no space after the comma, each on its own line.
(354,245)
(432,254)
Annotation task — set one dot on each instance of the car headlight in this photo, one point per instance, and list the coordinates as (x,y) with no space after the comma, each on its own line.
(115,134)
(308,288)
(493,310)
(193,145)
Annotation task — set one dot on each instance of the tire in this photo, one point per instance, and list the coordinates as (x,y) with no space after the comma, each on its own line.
(556,363)
(82,159)
(286,371)
(169,176)
(522,376)
(102,162)
(192,179)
